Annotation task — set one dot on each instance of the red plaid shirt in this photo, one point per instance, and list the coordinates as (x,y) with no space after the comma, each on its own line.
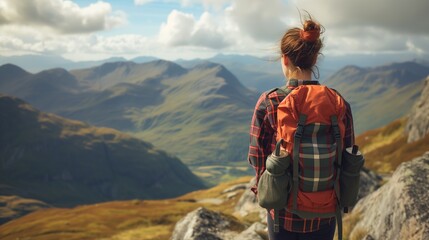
(262,143)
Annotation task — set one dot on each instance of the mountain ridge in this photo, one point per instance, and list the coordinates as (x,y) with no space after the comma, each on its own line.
(66,162)
(368,90)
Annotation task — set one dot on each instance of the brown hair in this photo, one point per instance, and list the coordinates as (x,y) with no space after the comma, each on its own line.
(302,46)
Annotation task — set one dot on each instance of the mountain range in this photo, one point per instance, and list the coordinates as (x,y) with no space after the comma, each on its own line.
(379,95)
(66,162)
(200,113)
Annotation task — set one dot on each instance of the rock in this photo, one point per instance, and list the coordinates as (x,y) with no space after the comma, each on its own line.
(203,224)
(248,204)
(369,182)
(399,209)
(235,188)
(418,121)
(252,233)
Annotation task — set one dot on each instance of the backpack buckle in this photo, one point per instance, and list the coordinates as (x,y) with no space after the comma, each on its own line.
(299,130)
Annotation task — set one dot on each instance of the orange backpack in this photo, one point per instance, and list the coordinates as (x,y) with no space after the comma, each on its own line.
(310,125)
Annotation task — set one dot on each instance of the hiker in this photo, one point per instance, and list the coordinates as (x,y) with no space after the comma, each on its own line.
(299,49)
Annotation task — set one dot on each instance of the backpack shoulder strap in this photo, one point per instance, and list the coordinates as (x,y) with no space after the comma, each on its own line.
(281,90)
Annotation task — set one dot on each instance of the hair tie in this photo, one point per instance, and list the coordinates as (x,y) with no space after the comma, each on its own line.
(310,35)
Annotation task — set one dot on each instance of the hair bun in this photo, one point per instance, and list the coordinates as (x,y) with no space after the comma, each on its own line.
(311,31)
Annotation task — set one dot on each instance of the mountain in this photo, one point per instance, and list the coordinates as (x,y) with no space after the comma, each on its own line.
(110,74)
(381,94)
(36,62)
(200,106)
(205,107)
(257,74)
(387,147)
(66,162)
(50,89)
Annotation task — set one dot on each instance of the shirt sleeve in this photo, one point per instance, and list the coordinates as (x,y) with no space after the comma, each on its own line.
(260,139)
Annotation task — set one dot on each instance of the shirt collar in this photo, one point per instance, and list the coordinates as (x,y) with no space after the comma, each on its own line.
(295,82)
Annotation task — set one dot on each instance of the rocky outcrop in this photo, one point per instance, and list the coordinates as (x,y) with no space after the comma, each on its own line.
(418,121)
(399,209)
(248,204)
(204,224)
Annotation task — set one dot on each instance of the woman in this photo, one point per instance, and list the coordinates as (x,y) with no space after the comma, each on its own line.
(299,51)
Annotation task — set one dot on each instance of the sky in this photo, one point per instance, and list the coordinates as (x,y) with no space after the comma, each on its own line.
(187,29)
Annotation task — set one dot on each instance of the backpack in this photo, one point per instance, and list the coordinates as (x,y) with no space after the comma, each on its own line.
(322,180)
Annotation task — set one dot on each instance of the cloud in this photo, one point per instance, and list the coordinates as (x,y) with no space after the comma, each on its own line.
(261,20)
(30,41)
(240,21)
(62,16)
(183,29)
(396,16)
(142,2)
(215,4)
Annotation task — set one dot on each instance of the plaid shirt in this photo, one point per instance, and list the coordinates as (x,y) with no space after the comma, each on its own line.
(263,131)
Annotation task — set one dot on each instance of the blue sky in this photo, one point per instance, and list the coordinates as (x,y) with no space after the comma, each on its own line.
(172,29)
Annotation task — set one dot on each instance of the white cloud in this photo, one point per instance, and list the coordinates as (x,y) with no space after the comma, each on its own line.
(142,2)
(261,20)
(61,16)
(183,29)
(397,16)
(215,4)
(241,21)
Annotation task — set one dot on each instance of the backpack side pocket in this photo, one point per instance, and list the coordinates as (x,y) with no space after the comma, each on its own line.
(351,166)
(274,183)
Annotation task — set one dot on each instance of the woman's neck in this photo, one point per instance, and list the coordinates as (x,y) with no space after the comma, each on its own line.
(301,75)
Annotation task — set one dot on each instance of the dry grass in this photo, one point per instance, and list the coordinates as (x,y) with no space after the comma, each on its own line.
(145,220)
(350,232)
(386,148)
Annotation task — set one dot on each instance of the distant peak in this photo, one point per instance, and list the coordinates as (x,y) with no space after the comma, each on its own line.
(408,65)
(9,70)
(56,72)
(352,67)
(116,64)
(206,65)
(7,102)
(171,68)
(109,67)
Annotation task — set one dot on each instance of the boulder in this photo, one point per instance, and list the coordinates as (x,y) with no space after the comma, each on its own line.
(369,182)
(418,121)
(399,209)
(204,224)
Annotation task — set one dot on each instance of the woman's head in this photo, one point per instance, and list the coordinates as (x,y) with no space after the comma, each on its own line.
(302,45)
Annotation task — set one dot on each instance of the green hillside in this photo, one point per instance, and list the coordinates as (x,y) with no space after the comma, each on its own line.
(200,114)
(65,162)
(379,95)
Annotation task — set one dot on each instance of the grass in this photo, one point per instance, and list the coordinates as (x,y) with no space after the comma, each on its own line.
(146,220)
(386,148)
(214,174)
